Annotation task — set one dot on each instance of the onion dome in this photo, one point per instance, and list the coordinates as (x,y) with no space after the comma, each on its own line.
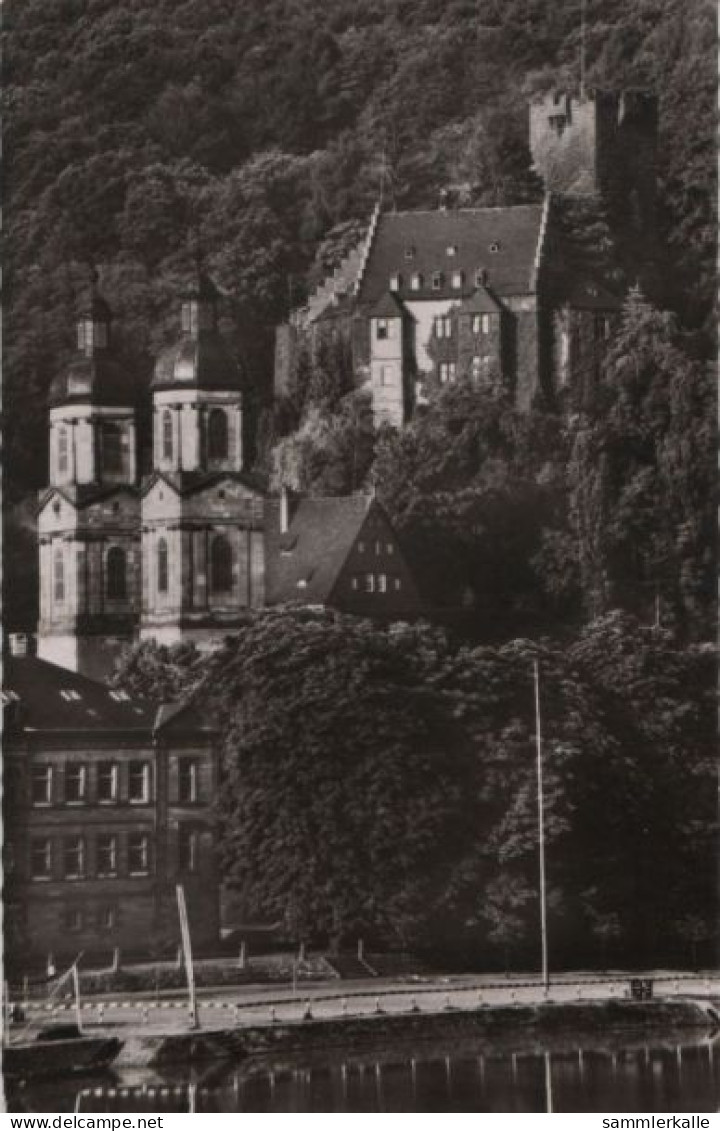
(93,375)
(200,359)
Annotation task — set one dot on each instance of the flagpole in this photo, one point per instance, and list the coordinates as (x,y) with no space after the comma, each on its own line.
(187,951)
(541,829)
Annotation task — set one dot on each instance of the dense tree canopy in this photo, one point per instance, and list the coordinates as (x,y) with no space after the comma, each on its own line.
(382,782)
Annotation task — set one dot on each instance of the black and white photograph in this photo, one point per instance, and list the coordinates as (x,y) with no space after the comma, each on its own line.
(359,558)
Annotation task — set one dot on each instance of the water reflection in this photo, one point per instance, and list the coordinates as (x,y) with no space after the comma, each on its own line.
(663,1076)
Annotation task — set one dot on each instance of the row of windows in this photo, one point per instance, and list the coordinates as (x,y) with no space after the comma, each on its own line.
(116,575)
(75,783)
(221,565)
(377,547)
(216,438)
(443,326)
(437,280)
(67,858)
(104,918)
(375,583)
(479,367)
(112,440)
(116,570)
(450,250)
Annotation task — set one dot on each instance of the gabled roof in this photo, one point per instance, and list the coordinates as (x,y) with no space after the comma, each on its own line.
(589,295)
(48,698)
(503,241)
(84,494)
(389,306)
(187,482)
(304,563)
(481,302)
(45,698)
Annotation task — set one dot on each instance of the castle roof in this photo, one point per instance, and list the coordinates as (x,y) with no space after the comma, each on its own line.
(304,563)
(389,306)
(501,241)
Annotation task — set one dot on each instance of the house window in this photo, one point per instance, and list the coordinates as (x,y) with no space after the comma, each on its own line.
(495,247)
(221,565)
(437,280)
(167,435)
(603,327)
(410,252)
(382,583)
(116,567)
(443,326)
(557,123)
(112,455)
(481,324)
(75,783)
(395,282)
(62,451)
(397,584)
(382,329)
(139,782)
(447,372)
(361,547)
(451,249)
(74,858)
(107,782)
(72,919)
(354,582)
(138,854)
(41,785)
(162,566)
(378,548)
(41,858)
(107,918)
(390,548)
(416,282)
(217,435)
(457,280)
(107,855)
(369,582)
(59,576)
(187,849)
(187,780)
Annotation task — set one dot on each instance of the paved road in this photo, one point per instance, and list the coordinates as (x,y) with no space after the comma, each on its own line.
(242,1006)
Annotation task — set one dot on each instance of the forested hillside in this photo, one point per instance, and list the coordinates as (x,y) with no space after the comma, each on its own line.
(134,129)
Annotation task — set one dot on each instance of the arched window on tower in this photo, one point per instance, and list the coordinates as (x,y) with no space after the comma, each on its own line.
(167,435)
(221,565)
(59,576)
(217,434)
(112,454)
(162,566)
(116,574)
(62,451)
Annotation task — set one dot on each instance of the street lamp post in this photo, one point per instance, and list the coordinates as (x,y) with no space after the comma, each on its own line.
(541,829)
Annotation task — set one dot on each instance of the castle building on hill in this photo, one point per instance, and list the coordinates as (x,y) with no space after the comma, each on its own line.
(518,299)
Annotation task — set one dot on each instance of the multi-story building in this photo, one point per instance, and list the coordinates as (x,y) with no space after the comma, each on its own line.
(518,299)
(106,808)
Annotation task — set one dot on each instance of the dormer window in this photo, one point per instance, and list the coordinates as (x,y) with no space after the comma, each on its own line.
(437,280)
(382,329)
(457,280)
(416,282)
(480,277)
(495,247)
(451,249)
(410,252)
(395,282)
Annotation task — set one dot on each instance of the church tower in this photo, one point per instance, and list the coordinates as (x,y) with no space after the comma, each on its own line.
(88,516)
(202,517)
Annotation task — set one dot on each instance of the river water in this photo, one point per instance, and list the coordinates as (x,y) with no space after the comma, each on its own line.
(666,1075)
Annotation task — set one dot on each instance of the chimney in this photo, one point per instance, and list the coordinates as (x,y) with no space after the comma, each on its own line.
(284,510)
(21,644)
